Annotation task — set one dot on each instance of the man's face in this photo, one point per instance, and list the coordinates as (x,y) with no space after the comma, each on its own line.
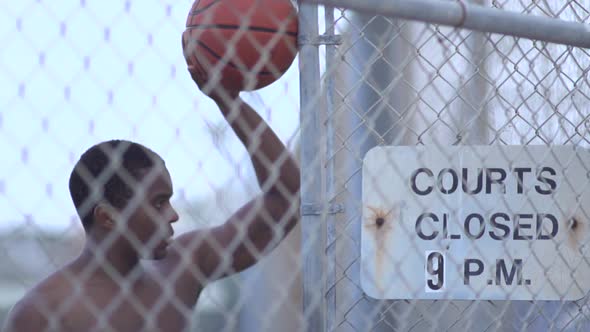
(151,215)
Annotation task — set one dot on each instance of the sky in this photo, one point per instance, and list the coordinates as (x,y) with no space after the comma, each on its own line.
(74,73)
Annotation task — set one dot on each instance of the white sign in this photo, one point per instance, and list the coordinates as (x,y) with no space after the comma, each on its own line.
(476,222)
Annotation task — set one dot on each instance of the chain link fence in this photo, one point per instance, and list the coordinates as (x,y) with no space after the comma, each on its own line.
(75,73)
(429,87)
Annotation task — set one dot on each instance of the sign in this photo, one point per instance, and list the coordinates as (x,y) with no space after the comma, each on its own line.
(476,222)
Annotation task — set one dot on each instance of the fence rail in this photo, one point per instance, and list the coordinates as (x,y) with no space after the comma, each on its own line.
(445,81)
(440,74)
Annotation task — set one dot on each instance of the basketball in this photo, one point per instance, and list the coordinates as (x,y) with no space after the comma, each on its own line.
(248,43)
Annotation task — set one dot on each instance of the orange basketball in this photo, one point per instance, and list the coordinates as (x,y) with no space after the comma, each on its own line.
(250,43)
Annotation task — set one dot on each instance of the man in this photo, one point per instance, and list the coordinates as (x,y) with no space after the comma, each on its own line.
(121,191)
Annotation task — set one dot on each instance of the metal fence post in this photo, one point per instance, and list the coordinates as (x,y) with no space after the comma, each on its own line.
(312,174)
(331,234)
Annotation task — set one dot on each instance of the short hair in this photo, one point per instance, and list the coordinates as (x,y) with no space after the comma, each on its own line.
(105,172)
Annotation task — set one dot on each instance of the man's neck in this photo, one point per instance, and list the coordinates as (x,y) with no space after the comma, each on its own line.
(114,262)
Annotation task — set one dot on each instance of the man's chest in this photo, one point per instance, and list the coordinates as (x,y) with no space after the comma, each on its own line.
(124,311)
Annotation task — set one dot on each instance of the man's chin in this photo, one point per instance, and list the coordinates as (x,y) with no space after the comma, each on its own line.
(156,254)
(160,253)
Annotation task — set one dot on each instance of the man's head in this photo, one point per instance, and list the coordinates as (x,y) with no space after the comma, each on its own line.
(124,185)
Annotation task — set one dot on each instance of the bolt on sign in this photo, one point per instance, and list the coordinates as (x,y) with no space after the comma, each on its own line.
(476,222)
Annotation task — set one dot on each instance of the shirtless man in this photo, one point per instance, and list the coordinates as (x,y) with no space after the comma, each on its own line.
(121,191)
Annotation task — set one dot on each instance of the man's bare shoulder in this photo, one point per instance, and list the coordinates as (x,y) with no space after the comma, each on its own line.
(27,315)
(32,311)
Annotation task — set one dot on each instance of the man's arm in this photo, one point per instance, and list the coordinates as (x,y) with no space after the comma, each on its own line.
(263,222)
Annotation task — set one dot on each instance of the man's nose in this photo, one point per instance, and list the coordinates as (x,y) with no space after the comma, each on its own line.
(173,215)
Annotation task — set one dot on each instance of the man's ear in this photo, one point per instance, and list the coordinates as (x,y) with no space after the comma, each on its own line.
(104,216)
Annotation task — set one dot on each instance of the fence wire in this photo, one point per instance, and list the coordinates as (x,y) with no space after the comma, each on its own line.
(402,83)
(77,73)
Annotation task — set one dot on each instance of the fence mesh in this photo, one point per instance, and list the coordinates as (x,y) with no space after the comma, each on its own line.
(75,73)
(402,83)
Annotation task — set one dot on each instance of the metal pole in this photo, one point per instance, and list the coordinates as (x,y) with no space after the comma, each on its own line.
(352,309)
(474,111)
(473,17)
(331,232)
(312,194)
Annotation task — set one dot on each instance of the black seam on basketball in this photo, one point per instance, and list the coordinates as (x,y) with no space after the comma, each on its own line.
(238,27)
(198,66)
(231,64)
(200,10)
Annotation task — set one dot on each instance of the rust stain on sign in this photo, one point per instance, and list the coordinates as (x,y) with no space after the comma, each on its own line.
(379,223)
(576,229)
